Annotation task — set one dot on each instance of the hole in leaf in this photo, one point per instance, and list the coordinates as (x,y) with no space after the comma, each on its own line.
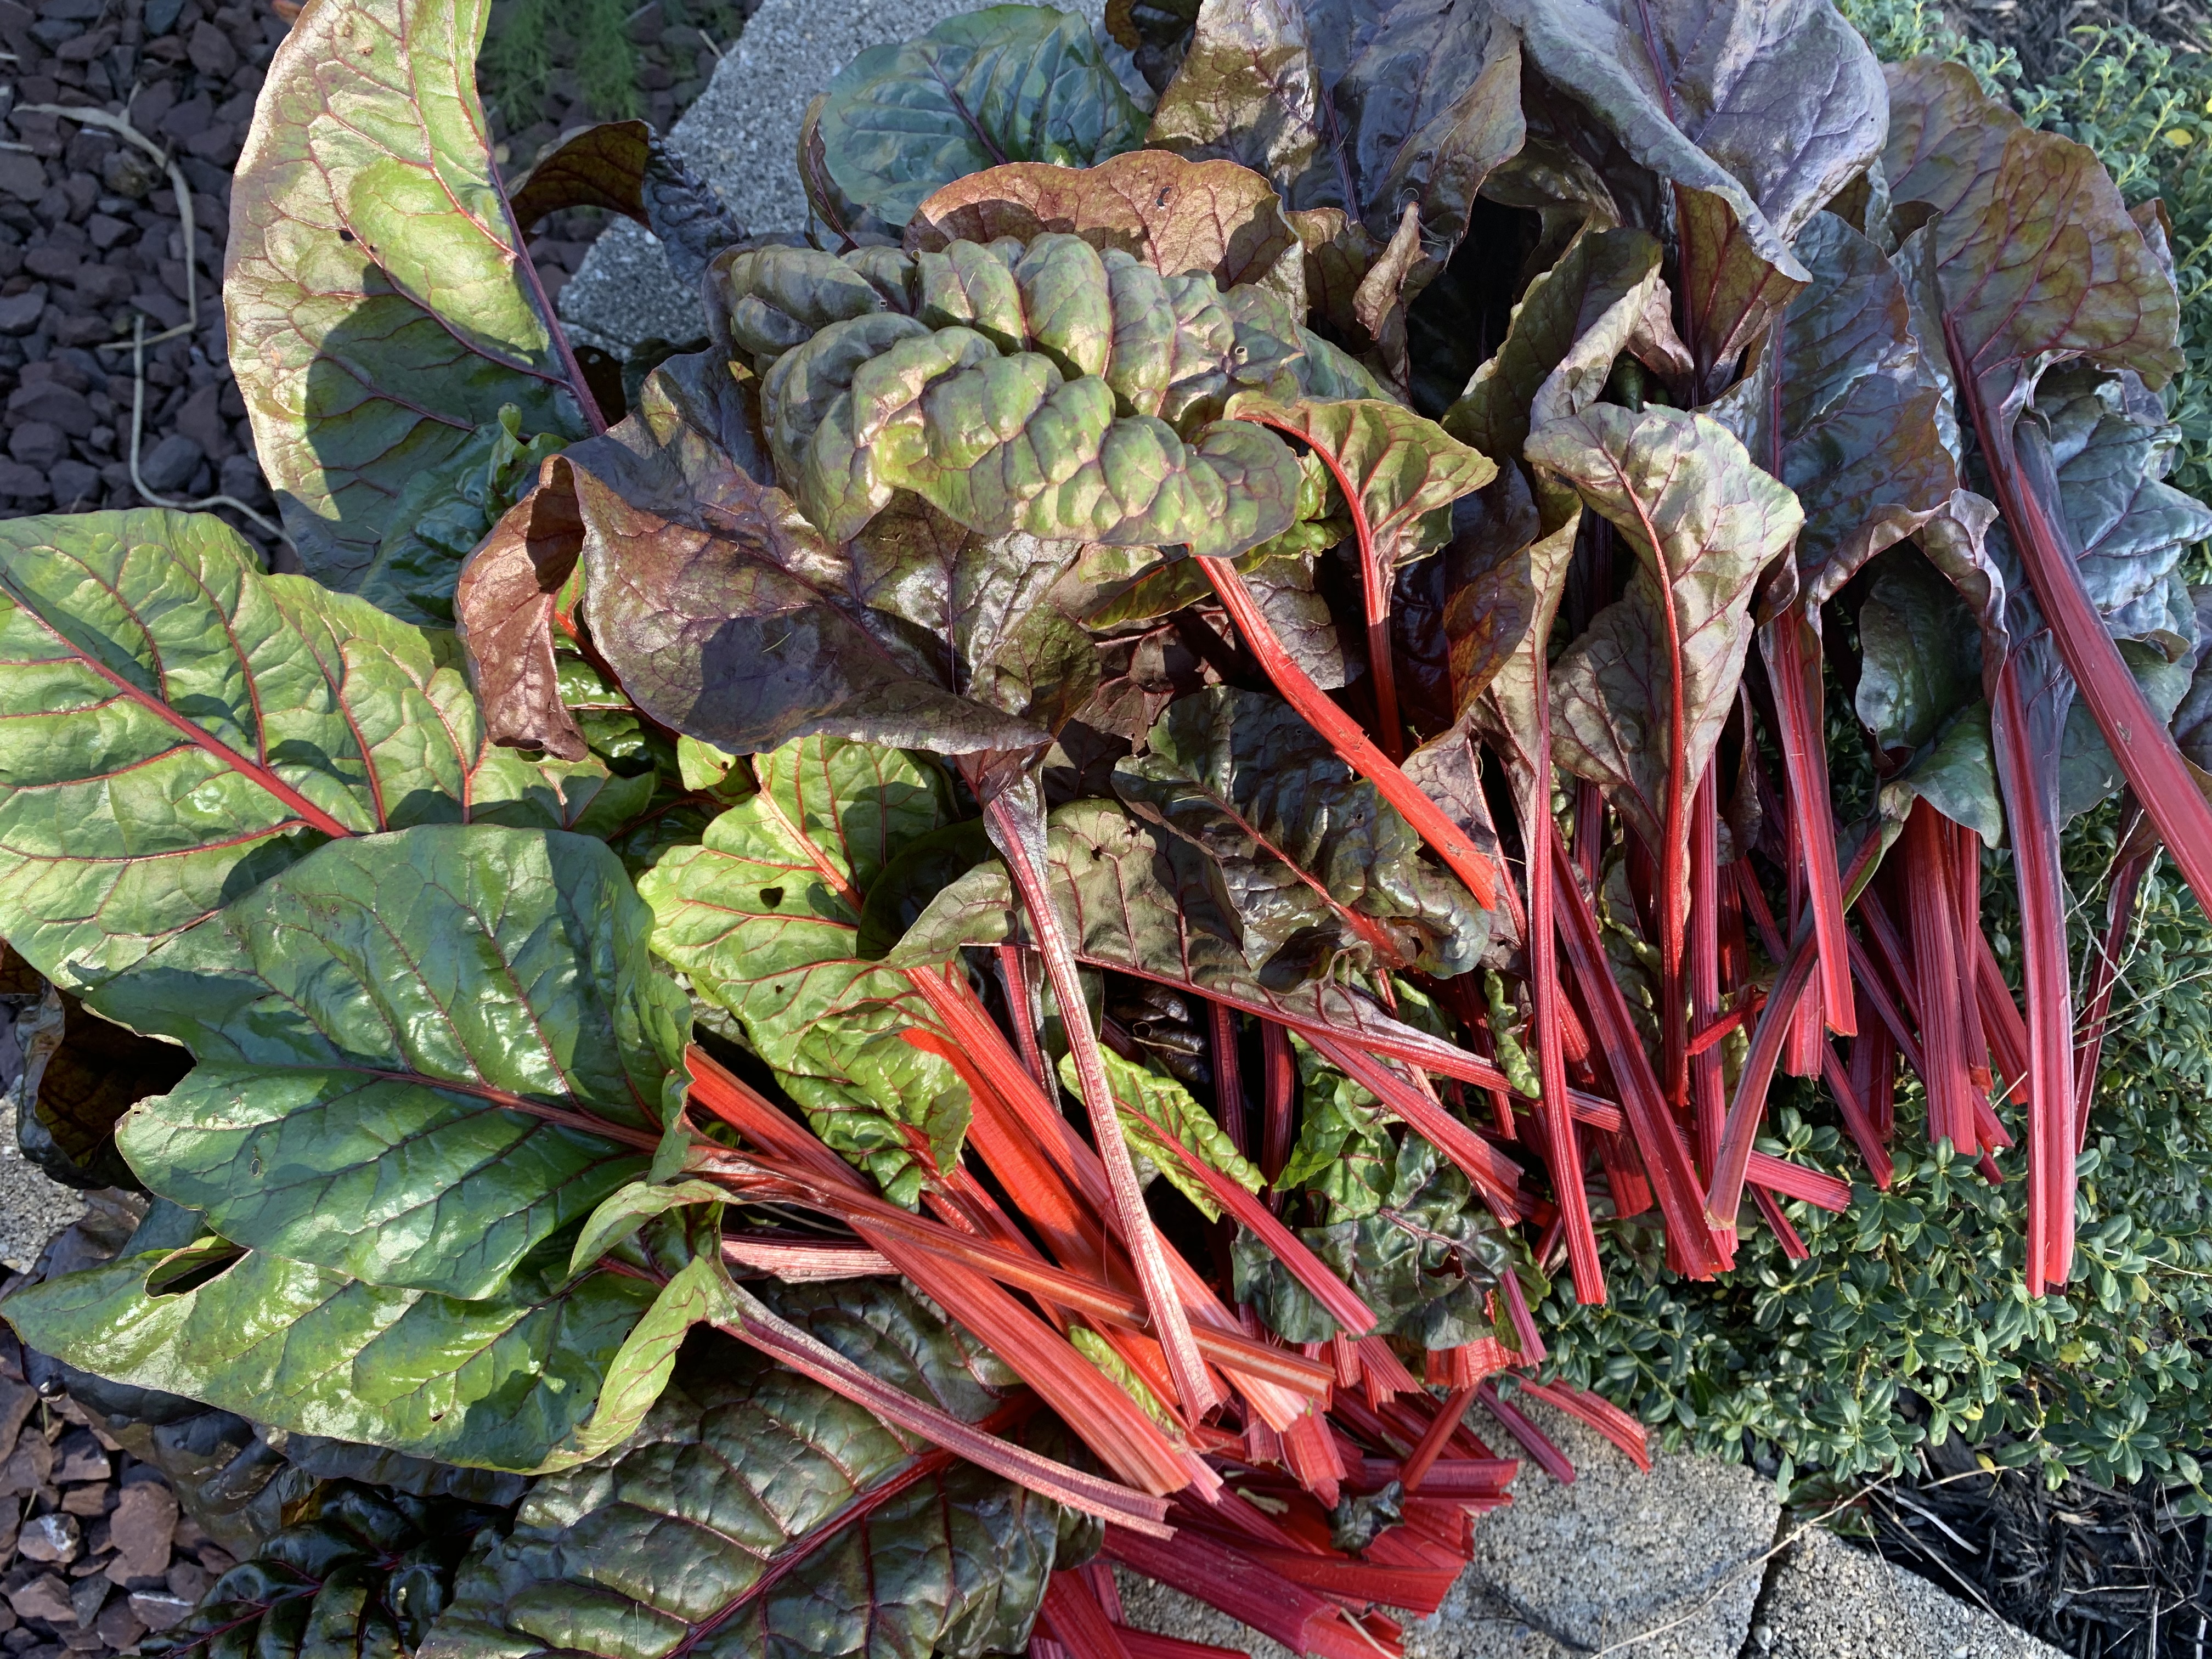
(198,1263)
(771,897)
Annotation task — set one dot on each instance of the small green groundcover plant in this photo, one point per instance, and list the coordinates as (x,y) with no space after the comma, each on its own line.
(1012,923)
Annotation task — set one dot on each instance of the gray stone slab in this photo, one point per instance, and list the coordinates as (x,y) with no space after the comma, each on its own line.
(33,1206)
(743,133)
(1666,1566)
(1830,1600)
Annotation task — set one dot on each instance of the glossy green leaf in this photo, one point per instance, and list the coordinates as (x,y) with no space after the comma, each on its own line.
(1757,113)
(1008,83)
(1050,389)
(2192,718)
(183,726)
(1296,843)
(381,308)
(1920,653)
(757,1513)
(440,516)
(508,1381)
(1638,700)
(357,1573)
(622,1212)
(1158,1110)
(1344,1153)
(764,918)
(363,1022)
(1360,105)
(1845,409)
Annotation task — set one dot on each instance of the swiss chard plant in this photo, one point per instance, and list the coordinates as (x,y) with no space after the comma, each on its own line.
(1021,913)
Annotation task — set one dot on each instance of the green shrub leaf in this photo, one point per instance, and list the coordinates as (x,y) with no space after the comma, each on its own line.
(371,1026)
(1008,83)
(381,303)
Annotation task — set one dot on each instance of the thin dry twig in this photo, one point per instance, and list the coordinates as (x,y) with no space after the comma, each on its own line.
(138,344)
(121,127)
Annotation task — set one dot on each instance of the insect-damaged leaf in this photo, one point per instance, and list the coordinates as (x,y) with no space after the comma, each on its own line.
(1351,103)
(1300,849)
(765,919)
(1639,698)
(728,616)
(1008,83)
(358,1572)
(1051,389)
(1176,216)
(371,1026)
(863,1542)
(1844,407)
(1756,114)
(381,306)
(182,727)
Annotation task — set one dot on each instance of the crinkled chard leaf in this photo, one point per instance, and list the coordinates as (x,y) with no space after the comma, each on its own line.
(1425,1257)
(1050,389)
(183,726)
(371,1026)
(756,1512)
(1360,104)
(1008,83)
(381,306)
(1296,843)
(81,1074)
(359,1573)
(1639,698)
(1757,113)
(1845,407)
(764,918)
(1178,217)
(1920,694)
(726,616)
(626,167)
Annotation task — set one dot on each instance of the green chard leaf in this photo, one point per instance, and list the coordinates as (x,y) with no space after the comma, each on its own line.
(1359,105)
(1158,1110)
(357,1573)
(373,1026)
(2192,718)
(1298,846)
(1757,114)
(1050,388)
(1344,1153)
(1639,698)
(184,726)
(862,1542)
(382,309)
(764,918)
(1008,83)
(506,1382)
(1920,694)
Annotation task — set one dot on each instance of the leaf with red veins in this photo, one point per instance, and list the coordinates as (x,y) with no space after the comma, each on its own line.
(182,727)
(1755,113)
(380,305)
(1639,699)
